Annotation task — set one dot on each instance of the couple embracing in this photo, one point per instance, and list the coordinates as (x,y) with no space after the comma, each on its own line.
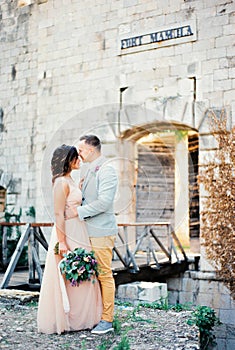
(84,218)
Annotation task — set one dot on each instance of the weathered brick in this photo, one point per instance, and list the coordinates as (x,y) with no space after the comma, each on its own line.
(145,291)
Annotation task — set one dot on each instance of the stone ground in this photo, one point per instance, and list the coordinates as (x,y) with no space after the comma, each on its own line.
(144,328)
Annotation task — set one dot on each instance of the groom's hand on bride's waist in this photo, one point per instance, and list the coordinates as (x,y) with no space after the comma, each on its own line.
(70,212)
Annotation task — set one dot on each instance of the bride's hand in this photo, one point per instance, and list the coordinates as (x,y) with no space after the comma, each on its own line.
(63,248)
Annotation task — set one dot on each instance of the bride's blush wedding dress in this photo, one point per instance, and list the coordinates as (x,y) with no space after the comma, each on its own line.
(84,301)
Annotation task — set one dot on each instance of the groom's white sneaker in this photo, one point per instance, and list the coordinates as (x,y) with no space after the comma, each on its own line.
(103,327)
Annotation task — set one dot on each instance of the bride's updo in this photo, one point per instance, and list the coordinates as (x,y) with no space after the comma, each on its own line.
(62,159)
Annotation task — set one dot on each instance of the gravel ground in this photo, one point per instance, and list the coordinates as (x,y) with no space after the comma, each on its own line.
(141,328)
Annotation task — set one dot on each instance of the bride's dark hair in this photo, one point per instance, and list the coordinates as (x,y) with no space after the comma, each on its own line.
(61,160)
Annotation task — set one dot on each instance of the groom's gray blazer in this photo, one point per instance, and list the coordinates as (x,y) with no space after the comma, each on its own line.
(98,191)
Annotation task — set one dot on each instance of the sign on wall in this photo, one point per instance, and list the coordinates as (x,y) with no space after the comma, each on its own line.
(170,35)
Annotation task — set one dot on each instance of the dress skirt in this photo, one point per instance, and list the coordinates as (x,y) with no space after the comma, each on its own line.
(84,301)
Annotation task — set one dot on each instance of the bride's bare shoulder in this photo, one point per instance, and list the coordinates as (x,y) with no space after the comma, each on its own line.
(61,183)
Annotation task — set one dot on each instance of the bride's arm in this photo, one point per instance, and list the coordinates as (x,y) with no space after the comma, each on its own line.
(61,192)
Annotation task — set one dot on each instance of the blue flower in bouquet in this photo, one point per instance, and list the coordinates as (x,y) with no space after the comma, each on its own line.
(78,266)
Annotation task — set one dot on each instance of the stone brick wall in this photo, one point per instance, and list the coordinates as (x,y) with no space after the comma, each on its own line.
(63,73)
(18,102)
(60,58)
(203,288)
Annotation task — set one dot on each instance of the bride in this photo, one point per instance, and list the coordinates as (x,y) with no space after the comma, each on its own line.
(63,307)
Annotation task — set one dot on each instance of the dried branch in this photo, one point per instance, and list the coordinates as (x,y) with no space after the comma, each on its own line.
(218,215)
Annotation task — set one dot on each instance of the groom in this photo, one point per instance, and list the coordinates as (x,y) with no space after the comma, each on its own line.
(98,190)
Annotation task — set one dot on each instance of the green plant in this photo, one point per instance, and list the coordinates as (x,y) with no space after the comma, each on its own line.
(32,303)
(31,212)
(123,303)
(16,218)
(162,304)
(83,345)
(105,345)
(137,318)
(181,307)
(205,319)
(117,324)
(180,134)
(8,215)
(13,236)
(124,344)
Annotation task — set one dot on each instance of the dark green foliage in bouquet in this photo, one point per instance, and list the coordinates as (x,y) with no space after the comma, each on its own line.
(56,249)
(205,319)
(79,266)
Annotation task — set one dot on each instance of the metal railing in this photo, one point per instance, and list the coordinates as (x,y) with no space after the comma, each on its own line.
(128,259)
(34,235)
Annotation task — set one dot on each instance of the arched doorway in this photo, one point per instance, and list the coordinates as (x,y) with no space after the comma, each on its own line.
(155,185)
(166,156)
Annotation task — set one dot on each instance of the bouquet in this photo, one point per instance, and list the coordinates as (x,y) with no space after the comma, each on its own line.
(78,266)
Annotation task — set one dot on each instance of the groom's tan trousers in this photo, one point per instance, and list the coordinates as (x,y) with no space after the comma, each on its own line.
(103,247)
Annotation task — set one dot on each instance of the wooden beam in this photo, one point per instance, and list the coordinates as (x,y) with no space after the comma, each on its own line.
(30,255)
(4,246)
(42,224)
(150,274)
(37,263)
(179,244)
(14,259)
(40,237)
(120,256)
(6,223)
(160,244)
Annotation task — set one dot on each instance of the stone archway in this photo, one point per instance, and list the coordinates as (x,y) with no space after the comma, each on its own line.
(166,164)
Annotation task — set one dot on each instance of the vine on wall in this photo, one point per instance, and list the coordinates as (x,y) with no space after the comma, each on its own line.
(218,215)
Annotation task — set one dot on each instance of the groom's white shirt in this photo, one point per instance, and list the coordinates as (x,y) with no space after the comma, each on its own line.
(98,191)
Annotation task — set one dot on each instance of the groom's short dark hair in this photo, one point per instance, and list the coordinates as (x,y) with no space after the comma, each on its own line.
(92,140)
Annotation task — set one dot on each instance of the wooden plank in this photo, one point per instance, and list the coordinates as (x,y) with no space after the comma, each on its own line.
(146,214)
(194,211)
(5,223)
(160,243)
(155,181)
(121,273)
(40,237)
(150,274)
(4,246)
(179,244)
(42,224)
(30,255)
(120,257)
(155,259)
(163,223)
(140,240)
(37,264)
(129,261)
(14,259)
